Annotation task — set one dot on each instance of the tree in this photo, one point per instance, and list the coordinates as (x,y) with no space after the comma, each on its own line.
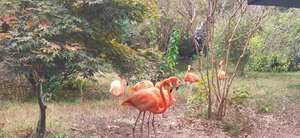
(68,38)
(217,91)
(276,47)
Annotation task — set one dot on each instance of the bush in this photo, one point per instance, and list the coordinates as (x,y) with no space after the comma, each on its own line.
(268,63)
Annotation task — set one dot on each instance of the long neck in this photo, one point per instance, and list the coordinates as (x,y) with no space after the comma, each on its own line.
(221,69)
(188,71)
(164,107)
(122,86)
(170,96)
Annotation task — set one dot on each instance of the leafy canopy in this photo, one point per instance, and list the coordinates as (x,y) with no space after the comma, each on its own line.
(69,37)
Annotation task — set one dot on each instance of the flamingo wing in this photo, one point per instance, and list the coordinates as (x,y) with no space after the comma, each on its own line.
(191,78)
(143,100)
(141,85)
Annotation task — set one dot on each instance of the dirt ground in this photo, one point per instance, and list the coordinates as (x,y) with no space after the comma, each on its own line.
(178,125)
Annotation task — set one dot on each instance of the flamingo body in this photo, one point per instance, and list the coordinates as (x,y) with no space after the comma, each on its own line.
(143,100)
(146,100)
(190,77)
(117,88)
(221,74)
(141,85)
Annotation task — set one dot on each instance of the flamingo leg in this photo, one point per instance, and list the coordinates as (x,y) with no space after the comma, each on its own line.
(110,125)
(133,128)
(143,122)
(163,115)
(148,122)
(153,126)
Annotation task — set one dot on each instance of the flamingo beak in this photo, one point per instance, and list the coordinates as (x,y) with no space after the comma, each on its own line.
(127,83)
(177,88)
(171,90)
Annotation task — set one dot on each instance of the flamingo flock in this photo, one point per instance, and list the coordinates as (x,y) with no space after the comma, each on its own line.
(156,99)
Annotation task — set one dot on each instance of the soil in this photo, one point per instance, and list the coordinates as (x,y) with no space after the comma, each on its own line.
(176,124)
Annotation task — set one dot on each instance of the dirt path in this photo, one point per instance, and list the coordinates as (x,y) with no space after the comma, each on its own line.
(176,125)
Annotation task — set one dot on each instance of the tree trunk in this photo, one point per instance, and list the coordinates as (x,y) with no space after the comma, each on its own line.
(241,67)
(41,126)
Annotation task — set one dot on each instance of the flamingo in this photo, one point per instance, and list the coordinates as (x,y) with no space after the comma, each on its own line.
(145,84)
(141,85)
(117,90)
(148,84)
(169,89)
(2,123)
(190,77)
(221,74)
(146,100)
(117,87)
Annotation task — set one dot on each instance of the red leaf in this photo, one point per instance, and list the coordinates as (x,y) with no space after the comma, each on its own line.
(30,24)
(6,19)
(27,14)
(12,11)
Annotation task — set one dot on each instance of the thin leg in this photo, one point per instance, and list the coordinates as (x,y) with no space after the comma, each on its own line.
(133,128)
(143,122)
(110,125)
(163,115)
(153,126)
(148,122)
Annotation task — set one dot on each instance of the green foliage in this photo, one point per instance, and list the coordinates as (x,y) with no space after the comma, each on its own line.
(223,32)
(295,86)
(240,95)
(69,38)
(202,95)
(153,36)
(173,50)
(276,45)
(76,84)
(103,94)
(53,84)
(268,63)
(57,136)
(233,129)
(265,108)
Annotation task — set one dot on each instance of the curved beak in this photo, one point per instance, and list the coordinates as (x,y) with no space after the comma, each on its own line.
(171,90)
(177,88)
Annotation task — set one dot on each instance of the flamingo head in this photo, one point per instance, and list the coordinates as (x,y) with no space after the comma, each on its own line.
(221,63)
(189,67)
(123,78)
(175,81)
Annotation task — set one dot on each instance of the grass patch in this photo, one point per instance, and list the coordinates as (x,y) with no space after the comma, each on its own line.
(295,86)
